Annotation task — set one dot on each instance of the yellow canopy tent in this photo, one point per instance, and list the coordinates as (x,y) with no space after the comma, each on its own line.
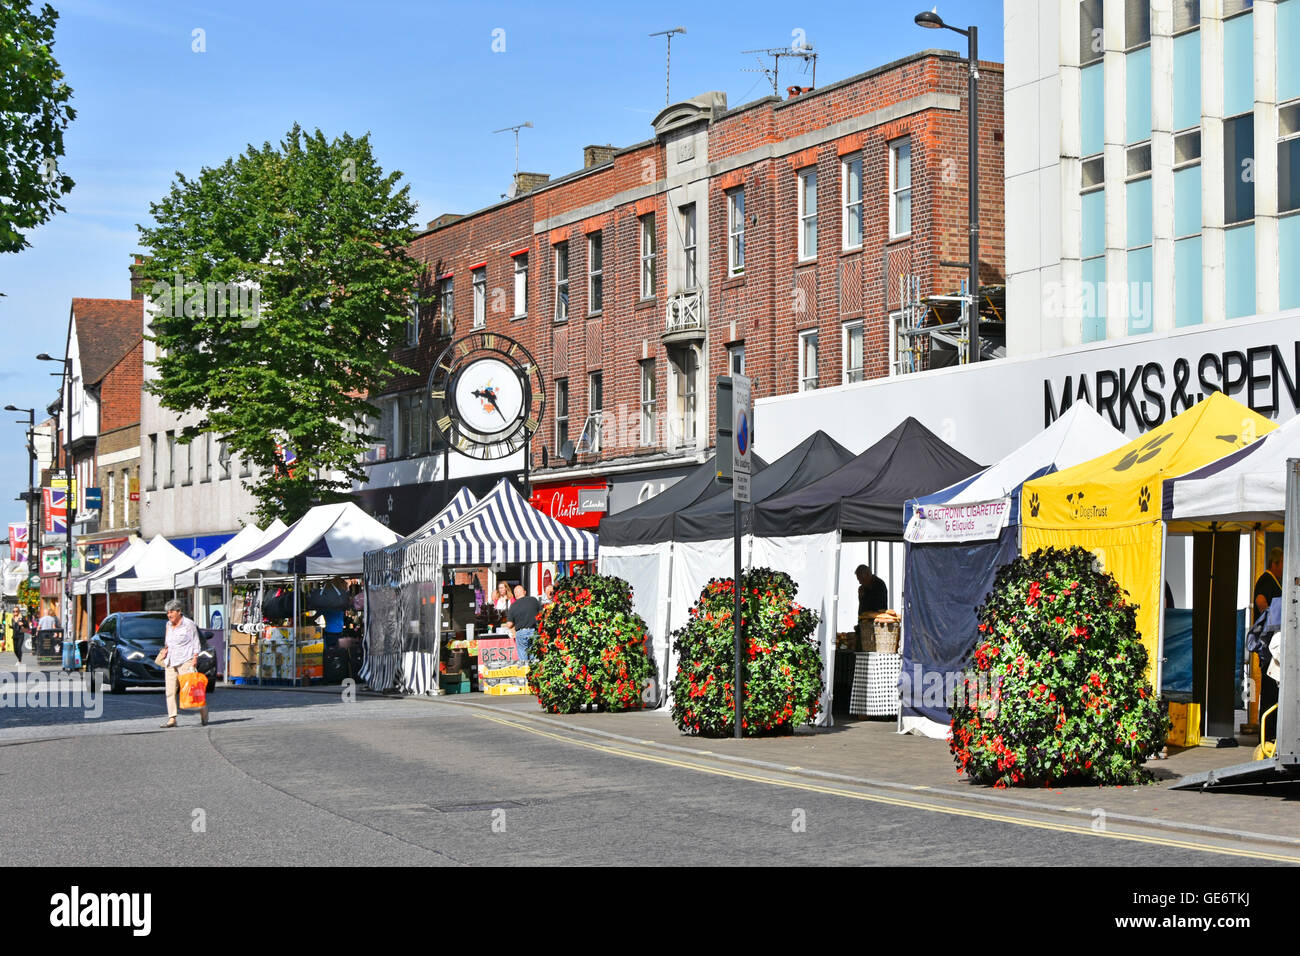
(1112,504)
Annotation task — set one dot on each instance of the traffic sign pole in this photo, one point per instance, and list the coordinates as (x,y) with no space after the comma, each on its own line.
(742,431)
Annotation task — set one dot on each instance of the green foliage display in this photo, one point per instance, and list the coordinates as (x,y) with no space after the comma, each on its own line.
(1058,689)
(782,669)
(34,112)
(590,647)
(280,281)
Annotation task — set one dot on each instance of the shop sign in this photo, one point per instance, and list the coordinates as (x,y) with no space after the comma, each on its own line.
(133,489)
(575,505)
(94,556)
(51,561)
(975,521)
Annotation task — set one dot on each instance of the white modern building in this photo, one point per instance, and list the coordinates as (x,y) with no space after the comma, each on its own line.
(1155,168)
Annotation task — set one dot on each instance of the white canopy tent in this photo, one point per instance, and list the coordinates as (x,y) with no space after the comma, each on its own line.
(153,570)
(210,571)
(125,558)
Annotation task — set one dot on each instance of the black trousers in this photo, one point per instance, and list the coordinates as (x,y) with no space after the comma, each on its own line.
(1267,698)
(19,637)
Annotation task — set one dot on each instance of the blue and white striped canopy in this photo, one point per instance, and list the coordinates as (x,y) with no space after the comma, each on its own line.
(503,528)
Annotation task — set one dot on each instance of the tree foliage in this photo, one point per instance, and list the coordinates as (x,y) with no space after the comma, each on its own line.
(279,282)
(34,112)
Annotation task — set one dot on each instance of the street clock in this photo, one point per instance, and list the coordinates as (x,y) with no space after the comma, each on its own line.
(485,396)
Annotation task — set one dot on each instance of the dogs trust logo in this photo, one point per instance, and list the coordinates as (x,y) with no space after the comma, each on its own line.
(1144,499)
(1083,512)
(1034,505)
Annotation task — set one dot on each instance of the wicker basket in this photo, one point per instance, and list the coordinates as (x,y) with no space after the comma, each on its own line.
(886,636)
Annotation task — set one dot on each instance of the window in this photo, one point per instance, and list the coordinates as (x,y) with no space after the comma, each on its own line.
(112,499)
(1137,23)
(1288,158)
(1092,40)
(1288,40)
(690,245)
(414,431)
(1238,168)
(736,359)
(1139,234)
(207,456)
(153,462)
(413,321)
(902,350)
(1239,270)
(685,361)
(1187,15)
(223,459)
(851,189)
(736,232)
(807,360)
(479,279)
(1137,99)
(245,466)
(648,256)
(1231,7)
(900,188)
(595,405)
(521,285)
(189,463)
(561,414)
(648,402)
(1187,80)
(171,460)
(447,305)
(808,214)
(595,273)
(562,282)
(853,351)
(1238,62)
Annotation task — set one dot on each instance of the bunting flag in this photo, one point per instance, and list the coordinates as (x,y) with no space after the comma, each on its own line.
(18,541)
(288,456)
(56,510)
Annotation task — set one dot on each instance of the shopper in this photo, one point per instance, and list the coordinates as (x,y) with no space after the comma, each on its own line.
(522,618)
(48,622)
(180,655)
(1267,587)
(503,601)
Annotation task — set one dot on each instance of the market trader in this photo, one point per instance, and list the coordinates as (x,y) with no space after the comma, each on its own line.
(873,595)
(1267,587)
(522,618)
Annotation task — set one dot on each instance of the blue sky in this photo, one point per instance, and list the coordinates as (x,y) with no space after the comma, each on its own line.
(422,78)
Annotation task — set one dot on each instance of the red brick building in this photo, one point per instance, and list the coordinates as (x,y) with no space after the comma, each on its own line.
(769,238)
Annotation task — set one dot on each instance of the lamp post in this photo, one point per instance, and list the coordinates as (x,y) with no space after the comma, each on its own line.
(932,21)
(30,496)
(71,486)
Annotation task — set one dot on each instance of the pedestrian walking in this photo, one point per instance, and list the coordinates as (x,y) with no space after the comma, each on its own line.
(180,655)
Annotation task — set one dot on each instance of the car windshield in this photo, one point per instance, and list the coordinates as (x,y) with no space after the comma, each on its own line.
(143,629)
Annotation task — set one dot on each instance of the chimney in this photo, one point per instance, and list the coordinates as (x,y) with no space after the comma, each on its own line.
(446,219)
(596,155)
(527,182)
(137,280)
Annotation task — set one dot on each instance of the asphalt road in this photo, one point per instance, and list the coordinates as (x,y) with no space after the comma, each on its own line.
(298,778)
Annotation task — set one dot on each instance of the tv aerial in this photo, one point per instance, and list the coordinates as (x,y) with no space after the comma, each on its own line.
(528,124)
(803,51)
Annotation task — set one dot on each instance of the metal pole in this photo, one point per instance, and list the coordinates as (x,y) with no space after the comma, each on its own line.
(972,102)
(738,684)
(1288,726)
(297,613)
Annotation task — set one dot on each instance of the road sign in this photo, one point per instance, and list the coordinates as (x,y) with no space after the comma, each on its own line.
(742,437)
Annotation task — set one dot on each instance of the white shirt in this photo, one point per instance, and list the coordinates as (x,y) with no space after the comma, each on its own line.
(183,643)
(48,622)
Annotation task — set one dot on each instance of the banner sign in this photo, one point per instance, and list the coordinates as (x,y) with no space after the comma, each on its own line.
(56,510)
(575,505)
(133,489)
(18,541)
(51,561)
(974,521)
(500,671)
(94,499)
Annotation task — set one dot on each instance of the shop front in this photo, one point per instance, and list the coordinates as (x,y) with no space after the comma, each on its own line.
(580,505)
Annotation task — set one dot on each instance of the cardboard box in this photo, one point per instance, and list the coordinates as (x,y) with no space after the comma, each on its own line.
(1186,720)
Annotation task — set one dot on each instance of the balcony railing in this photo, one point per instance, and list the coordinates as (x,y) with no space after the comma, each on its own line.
(685,313)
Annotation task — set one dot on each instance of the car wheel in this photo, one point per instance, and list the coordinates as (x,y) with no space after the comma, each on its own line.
(116,683)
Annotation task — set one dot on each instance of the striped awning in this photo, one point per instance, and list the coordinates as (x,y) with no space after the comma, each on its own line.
(503,528)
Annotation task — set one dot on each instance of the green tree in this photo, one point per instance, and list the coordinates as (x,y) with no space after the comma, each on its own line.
(34,112)
(280,281)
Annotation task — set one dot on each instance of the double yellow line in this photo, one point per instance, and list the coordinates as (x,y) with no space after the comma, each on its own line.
(809,787)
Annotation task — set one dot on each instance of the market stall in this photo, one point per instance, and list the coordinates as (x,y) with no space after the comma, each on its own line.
(810,532)
(502,528)
(1113,505)
(956,540)
(86,608)
(1242,493)
(397,592)
(329,542)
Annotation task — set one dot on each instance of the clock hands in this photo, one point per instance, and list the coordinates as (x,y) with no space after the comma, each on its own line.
(490,396)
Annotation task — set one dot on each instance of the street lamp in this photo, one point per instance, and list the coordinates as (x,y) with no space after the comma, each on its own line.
(71,485)
(932,21)
(30,496)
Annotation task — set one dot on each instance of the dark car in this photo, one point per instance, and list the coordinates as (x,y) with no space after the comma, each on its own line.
(122,650)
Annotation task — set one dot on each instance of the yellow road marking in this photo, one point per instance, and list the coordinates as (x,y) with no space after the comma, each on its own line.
(897,801)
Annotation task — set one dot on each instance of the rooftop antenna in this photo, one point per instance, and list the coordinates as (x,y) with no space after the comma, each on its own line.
(516,128)
(801,49)
(669,66)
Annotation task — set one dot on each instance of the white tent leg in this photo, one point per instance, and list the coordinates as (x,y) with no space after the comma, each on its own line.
(828,645)
(297,612)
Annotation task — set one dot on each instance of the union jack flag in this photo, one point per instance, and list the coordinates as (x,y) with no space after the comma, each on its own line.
(56,510)
(18,542)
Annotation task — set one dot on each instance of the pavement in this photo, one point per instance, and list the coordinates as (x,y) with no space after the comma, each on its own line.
(872,753)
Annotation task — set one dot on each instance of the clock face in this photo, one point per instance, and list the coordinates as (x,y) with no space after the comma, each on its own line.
(485,396)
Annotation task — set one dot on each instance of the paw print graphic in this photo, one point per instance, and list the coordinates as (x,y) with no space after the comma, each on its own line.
(1033,505)
(1144,498)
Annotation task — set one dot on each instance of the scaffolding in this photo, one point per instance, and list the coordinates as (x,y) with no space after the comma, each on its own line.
(942,320)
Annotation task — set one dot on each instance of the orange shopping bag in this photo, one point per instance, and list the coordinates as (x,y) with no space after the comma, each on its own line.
(194,690)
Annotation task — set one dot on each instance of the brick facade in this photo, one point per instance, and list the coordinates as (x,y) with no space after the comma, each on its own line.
(760,147)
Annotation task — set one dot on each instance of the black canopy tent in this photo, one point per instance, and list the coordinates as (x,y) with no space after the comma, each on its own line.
(711,518)
(651,521)
(864,499)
